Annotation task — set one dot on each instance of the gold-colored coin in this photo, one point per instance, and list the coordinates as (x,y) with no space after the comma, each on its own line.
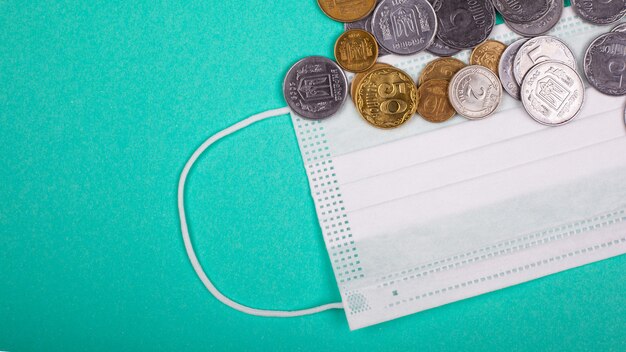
(443,68)
(359,77)
(488,54)
(386,97)
(433,102)
(347,11)
(356,50)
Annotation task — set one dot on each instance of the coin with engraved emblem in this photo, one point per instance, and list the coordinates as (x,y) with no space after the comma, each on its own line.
(553,93)
(442,68)
(359,77)
(488,54)
(386,97)
(315,87)
(540,49)
(356,50)
(366,25)
(347,11)
(464,24)
(600,12)
(542,25)
(605,63)
(521,11)
(433,103)
(505,69)
(475,92)
(620,28)
(404,27)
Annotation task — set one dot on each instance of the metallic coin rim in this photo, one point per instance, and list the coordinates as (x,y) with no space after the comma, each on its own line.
(343,20)
(507,17)
(358,91)
(588,69)
(492,77)
(518,57)
(516,45)
(430,82)
(430,41)
(359,76)
(515,26)
(329,113)
(452,51)
(621,28)
(490,27)
(368,35)
(525,102)
(422,78)
(583,15)
(474,61)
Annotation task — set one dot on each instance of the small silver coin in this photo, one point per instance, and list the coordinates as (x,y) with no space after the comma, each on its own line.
(404,27)
(315,87)
(620,28)
(464,24)
(600,11)
(542,25)
(475,92)
(605,63)
(522,11)
(366,25)
(440,48)
(505,68)
(540,49)
(553,93)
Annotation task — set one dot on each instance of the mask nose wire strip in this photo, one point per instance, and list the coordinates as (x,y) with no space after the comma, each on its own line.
(185,230)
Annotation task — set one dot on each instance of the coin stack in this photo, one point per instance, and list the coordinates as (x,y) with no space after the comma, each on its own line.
(539,70)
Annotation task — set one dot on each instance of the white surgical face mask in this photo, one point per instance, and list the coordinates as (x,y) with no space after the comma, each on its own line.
(429,214)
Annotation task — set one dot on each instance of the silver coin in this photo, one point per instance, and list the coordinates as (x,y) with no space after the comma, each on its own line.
(404,27)
(553,93)
(620,28)
(605,63)
(540,49)
(475,92)
(600,11)
(464,24)
(521,11)
(366,25)
(505,68)
(440,48)
(542,25)
(315,87)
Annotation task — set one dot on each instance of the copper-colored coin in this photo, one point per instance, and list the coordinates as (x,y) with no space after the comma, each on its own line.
(356,50)
(386,97)
(359,77)
(443,68)
(347,10)
(433,102)
(488,54)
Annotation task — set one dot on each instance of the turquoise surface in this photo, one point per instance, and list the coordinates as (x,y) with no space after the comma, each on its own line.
(101,103)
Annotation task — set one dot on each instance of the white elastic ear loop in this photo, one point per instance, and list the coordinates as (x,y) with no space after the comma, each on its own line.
(185,230)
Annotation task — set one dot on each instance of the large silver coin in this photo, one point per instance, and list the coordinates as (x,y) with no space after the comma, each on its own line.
(542,25)
(475,92)
(605,63)
(600,11)
(538,50)
(521,11)
(440,48)
(464,24)
(620,28)
(404,27)
(505,69)
(315,87)
(553,93)
(366,25)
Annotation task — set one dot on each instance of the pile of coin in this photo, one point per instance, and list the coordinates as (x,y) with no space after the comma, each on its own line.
(538,70)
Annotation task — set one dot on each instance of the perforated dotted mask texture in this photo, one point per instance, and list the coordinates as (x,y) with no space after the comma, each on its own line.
(429,214)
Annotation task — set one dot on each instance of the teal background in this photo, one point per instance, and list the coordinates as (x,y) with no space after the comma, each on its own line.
(101,103)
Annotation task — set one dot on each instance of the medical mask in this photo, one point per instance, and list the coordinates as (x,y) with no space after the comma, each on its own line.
(429,214)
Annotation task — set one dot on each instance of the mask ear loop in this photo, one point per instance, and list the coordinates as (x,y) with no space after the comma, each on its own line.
(185,230)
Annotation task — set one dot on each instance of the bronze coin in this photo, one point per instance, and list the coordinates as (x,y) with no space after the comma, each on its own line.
(386,97)
(359,77)
(356,50)
(443,68)
(347,11)
(433,103)
(488,54)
